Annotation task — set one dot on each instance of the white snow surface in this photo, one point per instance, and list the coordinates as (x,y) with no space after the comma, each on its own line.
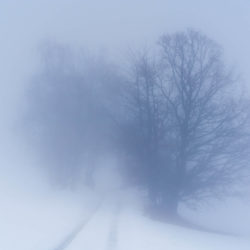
(33,217)
(34,223)
(43,222)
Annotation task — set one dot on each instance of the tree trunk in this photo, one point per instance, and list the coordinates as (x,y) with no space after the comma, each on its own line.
(164,208)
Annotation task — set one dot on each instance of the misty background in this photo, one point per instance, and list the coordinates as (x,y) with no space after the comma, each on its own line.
(102,30)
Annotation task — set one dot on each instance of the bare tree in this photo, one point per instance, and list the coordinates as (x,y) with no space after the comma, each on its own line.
(194,125)
(207,119)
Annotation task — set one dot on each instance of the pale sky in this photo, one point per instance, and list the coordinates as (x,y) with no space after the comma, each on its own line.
(112,26)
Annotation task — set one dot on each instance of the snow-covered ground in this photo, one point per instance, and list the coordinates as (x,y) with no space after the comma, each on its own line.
(36,217)
(33,215)
(38,222)
(138,232)
(45,221)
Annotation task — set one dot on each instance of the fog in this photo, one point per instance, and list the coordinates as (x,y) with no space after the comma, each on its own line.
(72,167)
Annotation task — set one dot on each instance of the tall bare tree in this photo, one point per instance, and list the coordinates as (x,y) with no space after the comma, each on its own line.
(199,128)
(208,119)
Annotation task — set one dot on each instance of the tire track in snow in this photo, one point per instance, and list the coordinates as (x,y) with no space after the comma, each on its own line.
(113,234)
(72,235)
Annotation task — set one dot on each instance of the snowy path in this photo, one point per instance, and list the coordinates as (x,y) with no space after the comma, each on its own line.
(112,240)
(72,235)
(100,233)
(81,235)
(114,229)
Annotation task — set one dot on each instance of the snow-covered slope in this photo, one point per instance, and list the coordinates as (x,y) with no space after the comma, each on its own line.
(32,220)
(137,232)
